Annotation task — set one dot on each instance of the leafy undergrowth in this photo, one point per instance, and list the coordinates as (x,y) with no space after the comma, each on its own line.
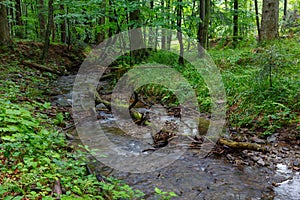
(262,85)
(34,154)
(34,157)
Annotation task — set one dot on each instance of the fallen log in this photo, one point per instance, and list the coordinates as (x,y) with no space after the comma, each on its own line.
(242,145)
(41,67)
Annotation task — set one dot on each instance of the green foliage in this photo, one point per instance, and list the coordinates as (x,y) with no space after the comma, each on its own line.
(253,101)
(34,156)
(189,73)
(162,195)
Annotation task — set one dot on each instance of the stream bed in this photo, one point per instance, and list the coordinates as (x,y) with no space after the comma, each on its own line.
(191,176)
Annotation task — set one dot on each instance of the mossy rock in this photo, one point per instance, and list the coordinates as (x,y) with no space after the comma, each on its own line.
(203,125)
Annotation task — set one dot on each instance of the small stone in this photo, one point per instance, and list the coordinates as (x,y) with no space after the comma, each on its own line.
(296,163)
(285,149)
(230,157)
(261,162)
(272,139)
(255,158)
(257,140)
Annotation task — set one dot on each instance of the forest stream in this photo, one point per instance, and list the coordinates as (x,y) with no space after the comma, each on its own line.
(193,177)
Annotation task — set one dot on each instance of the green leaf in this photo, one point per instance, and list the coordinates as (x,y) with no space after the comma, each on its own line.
(157,190)
(47,105)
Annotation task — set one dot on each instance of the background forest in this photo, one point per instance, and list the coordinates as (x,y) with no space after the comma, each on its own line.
(254,43)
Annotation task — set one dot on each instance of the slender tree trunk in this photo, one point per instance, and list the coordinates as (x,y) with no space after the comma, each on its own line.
(69,36)
(151,32)
(179,32)
(19,32)
(163,32)
(101,35)
(10,12)
(235,22)
(206,21)
(269,23)
(4,30)
(257,20)
(201,36)
(53,30)
(42,19)
(48,30)
(204,13)
(136,40)
(63,26)
(285,8)
(169,22)
(191,24)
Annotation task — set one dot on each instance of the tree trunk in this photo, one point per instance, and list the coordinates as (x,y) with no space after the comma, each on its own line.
(285,8)
(11,23)
(206,21)
(42,19)
(151,32)
(257,20)
(136,40)
(235,22)
(179,31)
(169,22)
(201,36)
(4,30)
(63,26)
(48,30)
(204,13)
(19,32)
(269,22)
(101,35)
(163,32)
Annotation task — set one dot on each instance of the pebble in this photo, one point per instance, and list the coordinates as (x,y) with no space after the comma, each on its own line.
(258,140)
(296,163)
(261,162)
(285,148)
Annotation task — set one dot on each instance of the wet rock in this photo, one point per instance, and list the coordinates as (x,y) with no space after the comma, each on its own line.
(261,162)
(257,140)
(296,163)
(230,157)
(255,158)
(272,139)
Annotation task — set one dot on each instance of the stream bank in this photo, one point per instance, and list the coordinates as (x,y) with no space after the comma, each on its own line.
(227,175)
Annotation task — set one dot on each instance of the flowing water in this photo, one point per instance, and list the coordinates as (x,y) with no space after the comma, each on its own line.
(191,176)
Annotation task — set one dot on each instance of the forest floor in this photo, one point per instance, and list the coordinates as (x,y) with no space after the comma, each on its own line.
(268,117)
(37,161)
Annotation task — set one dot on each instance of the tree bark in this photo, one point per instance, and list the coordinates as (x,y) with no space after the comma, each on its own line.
(163,31)
(179,31)
(19,32)
(48,30)
(285,8)
(136,40)
(4,30)
(169,22)
(11,23)
(269,23)
(63,26)
(101,35)
(235,22)
(42,19)
(257,20)
(204,13)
